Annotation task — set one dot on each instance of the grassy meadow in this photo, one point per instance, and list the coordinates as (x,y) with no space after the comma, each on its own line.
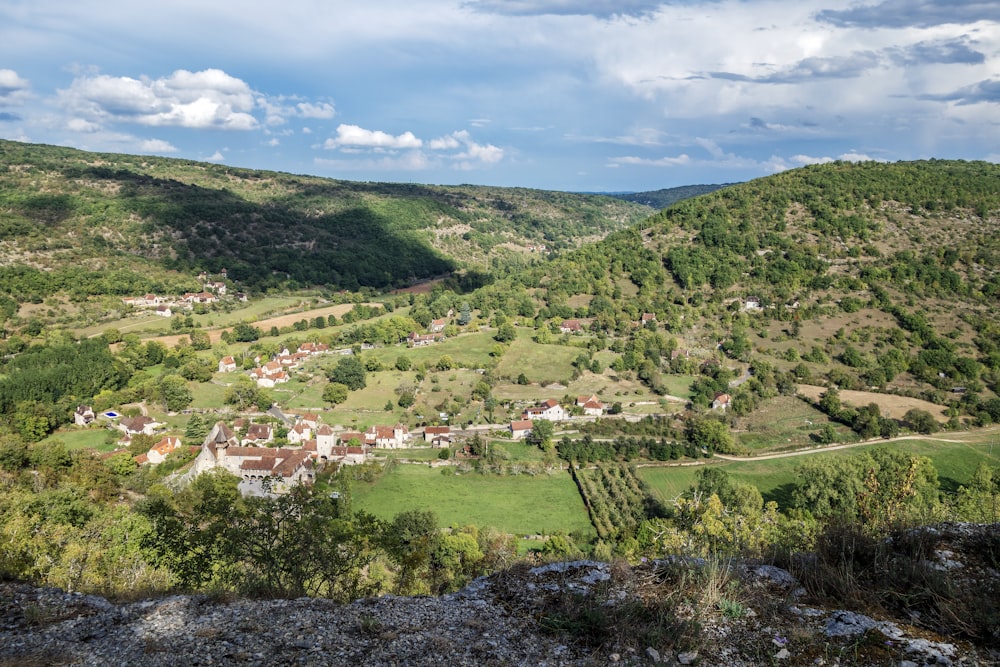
(521,505)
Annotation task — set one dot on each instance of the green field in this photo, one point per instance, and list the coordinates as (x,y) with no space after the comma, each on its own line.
(954,462)
(466,350)
(539,363)
(84,438)
(522,505)
(784,422)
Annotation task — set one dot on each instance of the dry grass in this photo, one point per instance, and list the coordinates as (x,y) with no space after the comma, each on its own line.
(215,335)
(891,405)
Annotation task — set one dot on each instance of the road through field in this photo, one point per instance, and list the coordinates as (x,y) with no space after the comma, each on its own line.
(215,335)
(831,448)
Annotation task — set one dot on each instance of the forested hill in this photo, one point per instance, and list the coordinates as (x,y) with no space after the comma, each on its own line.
(663,198)
(877,275)
(74,211)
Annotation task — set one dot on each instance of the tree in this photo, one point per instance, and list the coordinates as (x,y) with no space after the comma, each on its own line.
(710,434)
(403,363)
(921,421)
(200,340)
(174,392)
(541,434)
(349,371)
(505,333)
(244,393)
(245,332)
(335,392)
(445,363)
(410,540)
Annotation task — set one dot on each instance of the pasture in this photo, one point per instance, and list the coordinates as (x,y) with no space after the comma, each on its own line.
(522,505)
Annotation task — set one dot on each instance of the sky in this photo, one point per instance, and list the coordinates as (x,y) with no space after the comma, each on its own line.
(582,96)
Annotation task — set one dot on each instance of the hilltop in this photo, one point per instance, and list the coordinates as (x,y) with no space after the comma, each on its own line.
(144,216)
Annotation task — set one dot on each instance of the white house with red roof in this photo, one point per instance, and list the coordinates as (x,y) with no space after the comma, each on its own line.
(388,437)
(520,428)
(591,405)
(549,410)
(159,452)
(227,364)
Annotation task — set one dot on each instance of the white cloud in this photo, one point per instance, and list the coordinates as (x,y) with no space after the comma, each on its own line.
(157,146)
(479,154)
(81,125)
(444,143)
(353,135)
(217,156)
(273,141)
(210,99)
(323,110)
(852,156)
(410,161)
(668,161)
(13,89)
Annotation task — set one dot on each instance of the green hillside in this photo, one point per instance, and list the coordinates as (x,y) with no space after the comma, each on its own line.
(74,213)
(868,276)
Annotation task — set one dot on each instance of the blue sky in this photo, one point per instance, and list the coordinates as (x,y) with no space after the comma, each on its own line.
(595,95)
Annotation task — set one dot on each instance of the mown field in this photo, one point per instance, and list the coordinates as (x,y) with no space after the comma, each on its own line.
(522,505)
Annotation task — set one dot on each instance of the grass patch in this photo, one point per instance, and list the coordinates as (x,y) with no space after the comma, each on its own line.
(783,422)
(208,395)
(539,363)
(86,438)
(541,504)
(466,350)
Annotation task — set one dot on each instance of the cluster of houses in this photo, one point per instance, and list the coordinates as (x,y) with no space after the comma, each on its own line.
(574,326)
(276,371)
(435,333)
(551,410)
(166,306)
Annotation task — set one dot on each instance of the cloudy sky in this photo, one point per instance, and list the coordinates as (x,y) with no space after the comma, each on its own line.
(588,95)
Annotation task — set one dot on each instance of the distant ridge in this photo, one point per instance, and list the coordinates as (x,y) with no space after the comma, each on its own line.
(663,198)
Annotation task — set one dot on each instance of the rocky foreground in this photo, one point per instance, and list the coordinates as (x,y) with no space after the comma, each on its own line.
(669,612)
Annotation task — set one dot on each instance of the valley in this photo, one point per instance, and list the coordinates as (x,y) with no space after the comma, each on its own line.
(562,376)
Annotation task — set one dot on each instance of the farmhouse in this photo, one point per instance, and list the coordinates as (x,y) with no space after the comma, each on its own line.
(591,405)
(159,452)
(258,434)
(520,429)
(389,437)
(571,326)
(84,415)
(549,410)
(439,436)
(140,424)
(721,401)
(419,340)
(299,433)
(227,365)
(314,348)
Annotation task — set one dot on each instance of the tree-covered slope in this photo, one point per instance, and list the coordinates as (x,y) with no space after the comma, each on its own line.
(74,211)
(865,276)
